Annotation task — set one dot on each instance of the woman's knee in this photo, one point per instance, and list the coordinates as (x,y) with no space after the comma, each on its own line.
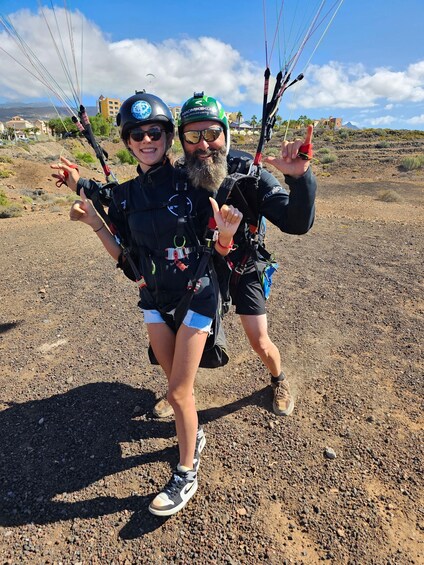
(180,396)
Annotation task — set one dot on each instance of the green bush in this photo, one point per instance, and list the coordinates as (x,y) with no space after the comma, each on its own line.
(389,196)
(5,159)
(125,157)
(413,163)
(382,144)
(11,211)
(273,152)
(176,148)
(328,158)
(85,158)
(5,174)
(3,199)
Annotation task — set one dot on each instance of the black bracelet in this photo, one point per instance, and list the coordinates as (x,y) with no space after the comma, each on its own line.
(102,226)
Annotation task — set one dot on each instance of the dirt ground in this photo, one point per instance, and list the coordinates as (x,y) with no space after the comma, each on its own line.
(82,456)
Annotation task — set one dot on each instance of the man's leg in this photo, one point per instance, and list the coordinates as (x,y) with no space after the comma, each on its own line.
(256,329)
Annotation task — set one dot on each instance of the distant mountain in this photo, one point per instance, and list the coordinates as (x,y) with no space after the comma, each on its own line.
(348,125)
(36,111)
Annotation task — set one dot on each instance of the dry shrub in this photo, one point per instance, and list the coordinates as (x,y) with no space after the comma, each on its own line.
(388,196)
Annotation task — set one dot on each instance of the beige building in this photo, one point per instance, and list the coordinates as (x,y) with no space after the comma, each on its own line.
(41,126)
(109,107)
(19,124)
(330,123)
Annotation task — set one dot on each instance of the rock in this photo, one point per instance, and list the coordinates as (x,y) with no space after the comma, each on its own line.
(329,453)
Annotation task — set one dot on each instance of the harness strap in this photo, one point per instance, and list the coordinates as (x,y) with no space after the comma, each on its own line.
(170,253)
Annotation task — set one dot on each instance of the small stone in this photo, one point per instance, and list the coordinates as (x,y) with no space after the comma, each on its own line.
(329,453)
(241,511)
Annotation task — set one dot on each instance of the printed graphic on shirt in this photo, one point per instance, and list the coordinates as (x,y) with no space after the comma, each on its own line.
(173,206)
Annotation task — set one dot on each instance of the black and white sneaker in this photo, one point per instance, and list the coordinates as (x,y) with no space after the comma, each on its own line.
(200,444)
(176,494)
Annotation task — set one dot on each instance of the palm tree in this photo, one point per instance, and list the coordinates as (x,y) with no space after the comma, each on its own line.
(239,118)
(253,121)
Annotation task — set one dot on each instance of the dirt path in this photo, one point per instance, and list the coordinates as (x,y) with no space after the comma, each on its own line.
(81,456)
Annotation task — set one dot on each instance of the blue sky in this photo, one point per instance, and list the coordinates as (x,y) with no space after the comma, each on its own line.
(368,69)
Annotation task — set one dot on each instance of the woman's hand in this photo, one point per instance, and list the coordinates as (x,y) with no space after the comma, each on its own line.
(68,173)
(84,211)
(291,163)
(227,221)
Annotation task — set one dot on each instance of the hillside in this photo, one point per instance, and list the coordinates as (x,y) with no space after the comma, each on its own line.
(82,455)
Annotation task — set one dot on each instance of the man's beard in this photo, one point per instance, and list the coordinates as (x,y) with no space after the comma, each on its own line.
(207,174)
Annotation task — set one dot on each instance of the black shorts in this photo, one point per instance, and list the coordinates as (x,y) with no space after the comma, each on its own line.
(247,296)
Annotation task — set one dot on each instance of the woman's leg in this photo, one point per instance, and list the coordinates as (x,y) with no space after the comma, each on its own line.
(162,340)
(189,345)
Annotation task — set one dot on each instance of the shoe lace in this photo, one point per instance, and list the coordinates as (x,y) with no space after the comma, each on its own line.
(282,390)
(175,483)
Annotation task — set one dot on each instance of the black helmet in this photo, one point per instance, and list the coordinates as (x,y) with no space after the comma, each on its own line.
(141,109)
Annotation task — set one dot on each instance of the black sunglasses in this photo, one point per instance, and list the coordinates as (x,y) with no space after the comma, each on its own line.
(209,135)
(139,134)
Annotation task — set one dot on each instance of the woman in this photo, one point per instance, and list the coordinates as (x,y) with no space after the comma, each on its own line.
(165,222)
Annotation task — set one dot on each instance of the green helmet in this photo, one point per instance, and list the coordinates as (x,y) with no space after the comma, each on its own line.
(203,108)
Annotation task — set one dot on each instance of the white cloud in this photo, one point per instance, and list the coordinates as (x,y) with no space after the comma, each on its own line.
(180,67)
(417,120)
(382,121)
(119,68)
(351,86)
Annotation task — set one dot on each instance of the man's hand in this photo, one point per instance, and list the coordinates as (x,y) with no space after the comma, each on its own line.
(68,173)
(291,163)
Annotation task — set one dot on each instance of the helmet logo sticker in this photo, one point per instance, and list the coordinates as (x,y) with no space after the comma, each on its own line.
(173,208)
(141,110)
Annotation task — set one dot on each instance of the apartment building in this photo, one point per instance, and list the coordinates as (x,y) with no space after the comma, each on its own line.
(109,107)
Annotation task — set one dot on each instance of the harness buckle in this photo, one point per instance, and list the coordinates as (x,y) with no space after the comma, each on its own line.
(175,253)
(240,269)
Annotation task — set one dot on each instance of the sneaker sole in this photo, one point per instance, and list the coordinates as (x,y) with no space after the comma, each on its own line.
(175,509)
(285,412)
(164,413)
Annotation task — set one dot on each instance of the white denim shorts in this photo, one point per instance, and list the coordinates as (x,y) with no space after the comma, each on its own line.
(191,319)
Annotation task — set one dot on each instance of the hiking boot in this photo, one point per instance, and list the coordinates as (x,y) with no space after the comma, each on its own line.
(283,403)
(200,444)
(162,408)
(176,494)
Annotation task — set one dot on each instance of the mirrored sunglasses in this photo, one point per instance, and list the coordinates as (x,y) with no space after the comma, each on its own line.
(208,134)
(139,134)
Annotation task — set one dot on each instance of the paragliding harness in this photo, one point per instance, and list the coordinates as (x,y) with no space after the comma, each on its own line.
(245,198)
(214,353)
